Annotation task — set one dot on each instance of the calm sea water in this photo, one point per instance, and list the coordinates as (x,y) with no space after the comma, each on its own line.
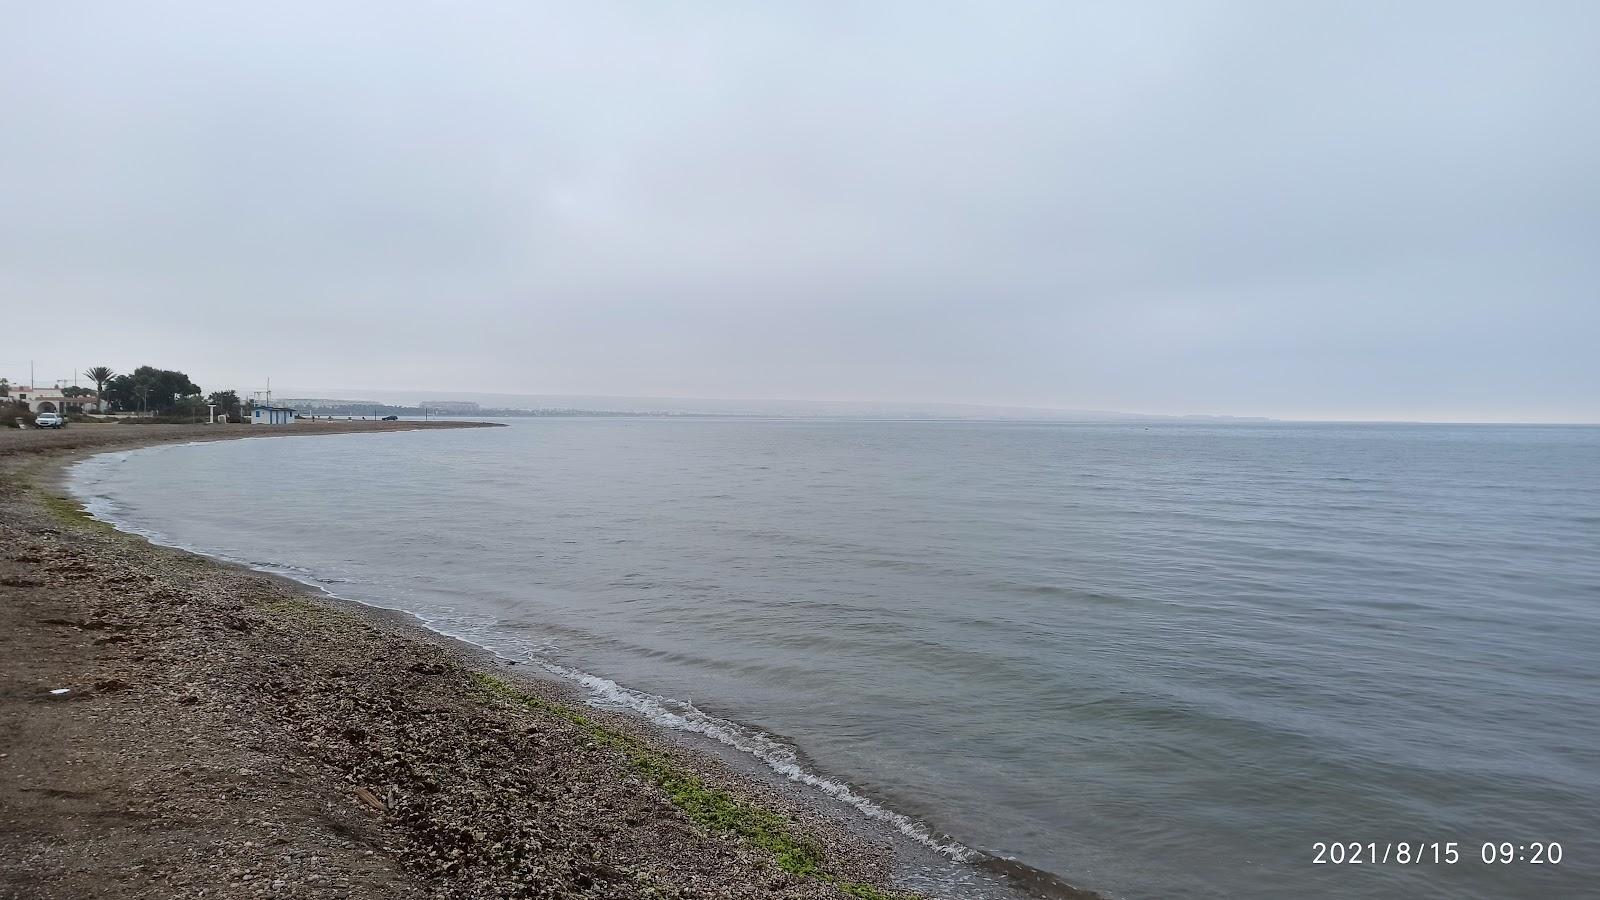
(1155,661)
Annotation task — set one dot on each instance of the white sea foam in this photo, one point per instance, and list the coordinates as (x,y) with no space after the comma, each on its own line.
(685,716)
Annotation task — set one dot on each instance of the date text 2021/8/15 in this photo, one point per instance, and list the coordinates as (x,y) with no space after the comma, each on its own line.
(1447,853)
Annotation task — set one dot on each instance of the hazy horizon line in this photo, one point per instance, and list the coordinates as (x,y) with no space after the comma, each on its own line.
(1013,411)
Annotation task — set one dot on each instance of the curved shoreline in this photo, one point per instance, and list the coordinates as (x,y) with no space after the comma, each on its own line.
(343,752)
(864,840)
(663,712)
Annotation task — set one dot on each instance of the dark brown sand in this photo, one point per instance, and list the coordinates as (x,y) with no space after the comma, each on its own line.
(229,734)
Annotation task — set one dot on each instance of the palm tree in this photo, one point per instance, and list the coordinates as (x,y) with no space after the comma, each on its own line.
(100,375)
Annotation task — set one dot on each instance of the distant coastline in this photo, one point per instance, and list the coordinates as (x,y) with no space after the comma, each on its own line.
(507,406)
(372,409)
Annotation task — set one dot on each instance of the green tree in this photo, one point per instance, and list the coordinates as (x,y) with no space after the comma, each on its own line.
(150,388)
(5,387)
(119,392)
(227,403)
(101,376)
(192,405)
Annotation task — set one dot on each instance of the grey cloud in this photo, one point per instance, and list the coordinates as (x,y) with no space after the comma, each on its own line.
(1306,210)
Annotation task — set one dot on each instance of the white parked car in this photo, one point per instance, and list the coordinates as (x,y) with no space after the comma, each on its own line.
(48,420)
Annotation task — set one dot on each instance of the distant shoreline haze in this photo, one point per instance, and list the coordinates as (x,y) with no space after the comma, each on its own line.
(1314,211)
(401,402)
(493,404)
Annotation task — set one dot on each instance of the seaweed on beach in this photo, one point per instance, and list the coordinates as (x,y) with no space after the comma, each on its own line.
(72,513)
(709,806)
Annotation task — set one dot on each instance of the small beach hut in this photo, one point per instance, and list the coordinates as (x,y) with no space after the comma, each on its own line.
(272,415)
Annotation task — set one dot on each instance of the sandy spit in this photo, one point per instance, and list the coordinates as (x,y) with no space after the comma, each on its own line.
(174,727)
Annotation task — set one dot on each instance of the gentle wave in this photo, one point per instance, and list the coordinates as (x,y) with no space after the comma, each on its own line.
(777,756)
(679,715)
(1247,639)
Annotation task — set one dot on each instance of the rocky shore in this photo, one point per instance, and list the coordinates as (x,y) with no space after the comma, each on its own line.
(173,727)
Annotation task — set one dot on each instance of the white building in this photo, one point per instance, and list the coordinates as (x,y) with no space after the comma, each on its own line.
(272,415)
(51,399)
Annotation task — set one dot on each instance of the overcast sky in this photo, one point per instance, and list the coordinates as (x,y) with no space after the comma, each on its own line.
(1349,210)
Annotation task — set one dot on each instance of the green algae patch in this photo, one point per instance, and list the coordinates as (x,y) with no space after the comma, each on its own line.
(707,805)
(867,891)
(72,513)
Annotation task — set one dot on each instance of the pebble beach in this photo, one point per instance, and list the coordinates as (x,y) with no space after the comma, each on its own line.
(175,727)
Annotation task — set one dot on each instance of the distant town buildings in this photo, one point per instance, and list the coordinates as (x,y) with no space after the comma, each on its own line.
(449,407)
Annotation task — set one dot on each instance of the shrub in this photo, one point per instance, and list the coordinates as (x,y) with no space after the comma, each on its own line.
(12,413)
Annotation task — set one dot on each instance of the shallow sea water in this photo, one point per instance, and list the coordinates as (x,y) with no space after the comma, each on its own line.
(1153,660)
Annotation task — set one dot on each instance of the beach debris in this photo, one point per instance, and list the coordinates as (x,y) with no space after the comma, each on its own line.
(370,799)
(445,773)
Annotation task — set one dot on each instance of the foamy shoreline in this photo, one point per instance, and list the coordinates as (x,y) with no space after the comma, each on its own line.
(933,861)
(217,605)
(669,714)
